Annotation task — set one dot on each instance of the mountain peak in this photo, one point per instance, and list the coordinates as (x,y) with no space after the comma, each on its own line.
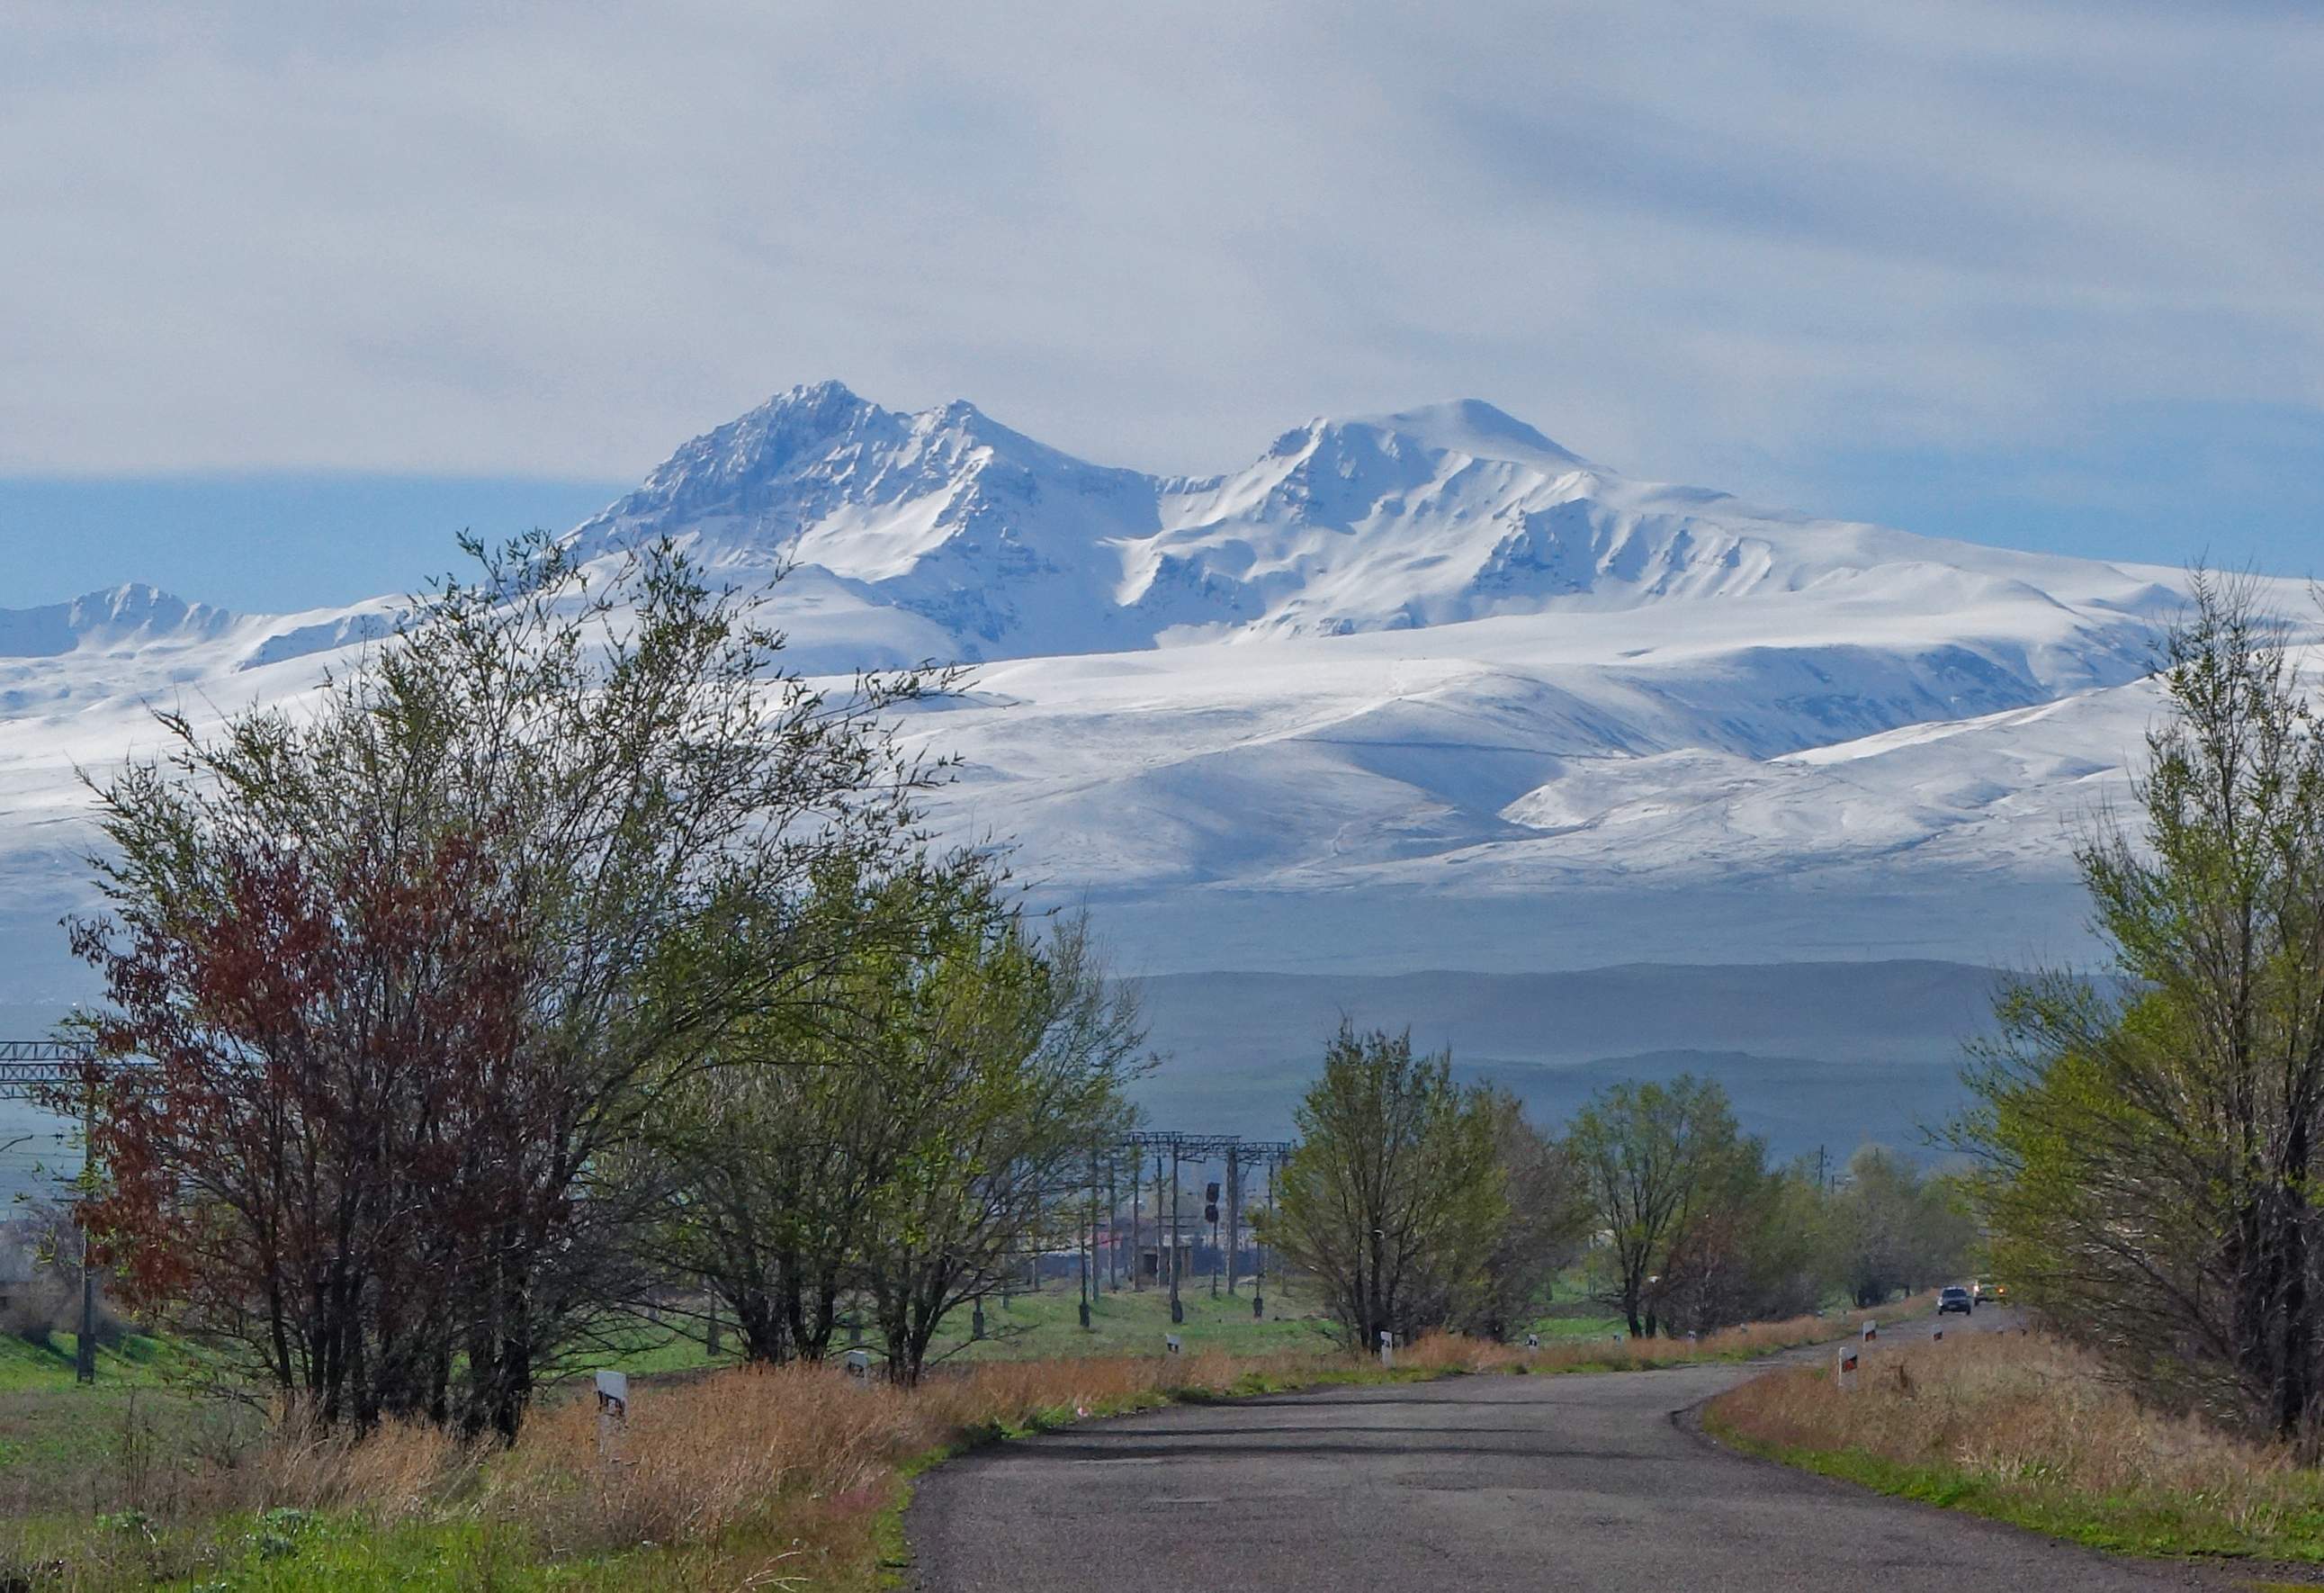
(1009,548)
(131,613)
(828,393)
(133,600)
(1471,426)
(799,416)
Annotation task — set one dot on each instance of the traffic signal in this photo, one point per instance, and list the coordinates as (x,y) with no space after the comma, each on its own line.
(1210,1202)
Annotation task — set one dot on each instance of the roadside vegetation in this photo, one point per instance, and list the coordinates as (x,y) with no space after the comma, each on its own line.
(2030,1430)
(2152,1147)
(742,1477)
(1619,1352)
(2149,1148)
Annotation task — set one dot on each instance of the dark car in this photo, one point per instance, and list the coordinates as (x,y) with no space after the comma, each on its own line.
(1955,1297)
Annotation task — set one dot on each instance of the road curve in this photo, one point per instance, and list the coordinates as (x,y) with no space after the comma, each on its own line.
(1465,1485)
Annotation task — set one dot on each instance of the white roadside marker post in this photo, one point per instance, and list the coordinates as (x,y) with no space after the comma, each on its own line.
(1845,1375)
(1387,1348)
(612,1409)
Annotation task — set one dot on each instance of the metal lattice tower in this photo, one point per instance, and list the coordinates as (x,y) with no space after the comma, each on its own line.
(37,1070)
(31,1068)
(1180,1147)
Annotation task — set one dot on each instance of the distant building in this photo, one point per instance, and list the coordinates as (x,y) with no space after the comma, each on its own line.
(1156,1242)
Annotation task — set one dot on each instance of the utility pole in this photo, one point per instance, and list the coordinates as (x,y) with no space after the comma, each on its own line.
(1269,1154)
(1177,1311)
(35,1071)
(1211,1211)
(1137,1195)
(1170,1246)
(85,1349)
(1161,1251)
(1234,1214)
(1112,1223)
(1089,1249)
(1259,1256)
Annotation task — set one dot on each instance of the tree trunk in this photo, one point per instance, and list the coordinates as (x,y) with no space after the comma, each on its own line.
(2295,1372)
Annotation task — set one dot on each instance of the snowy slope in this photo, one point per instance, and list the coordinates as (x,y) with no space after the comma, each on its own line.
(1429,517)
(1500,761)
(1424,689)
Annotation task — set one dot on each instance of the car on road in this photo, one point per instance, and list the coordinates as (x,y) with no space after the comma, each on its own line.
(1989,1293)
(1955,1297)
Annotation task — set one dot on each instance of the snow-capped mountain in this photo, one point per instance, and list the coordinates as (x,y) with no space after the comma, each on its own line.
(128,616)
(1421,690)
(1430,517)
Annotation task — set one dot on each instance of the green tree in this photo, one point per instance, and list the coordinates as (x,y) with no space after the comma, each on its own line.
(2152,1143)
(1546,1225)
(782,1154)
(996,1072)
(1397,1197)
(416,962)
(1659,1160)
(1892,1226)
(1755,1254)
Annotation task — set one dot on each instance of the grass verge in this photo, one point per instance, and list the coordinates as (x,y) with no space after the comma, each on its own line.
(2026,1429)
(745,1477)
(740,1477)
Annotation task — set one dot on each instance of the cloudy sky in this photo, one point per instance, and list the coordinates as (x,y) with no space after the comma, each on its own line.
(289,291)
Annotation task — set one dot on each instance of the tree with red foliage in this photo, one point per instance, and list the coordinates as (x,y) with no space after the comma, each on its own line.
(412,967)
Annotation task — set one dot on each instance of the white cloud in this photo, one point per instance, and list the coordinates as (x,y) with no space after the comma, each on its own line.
(560,238)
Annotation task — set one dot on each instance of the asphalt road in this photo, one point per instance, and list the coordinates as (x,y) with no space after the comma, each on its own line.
(1466,1484)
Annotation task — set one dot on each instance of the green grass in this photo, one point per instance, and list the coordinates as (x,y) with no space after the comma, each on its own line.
(2151,1525)
(1134,1322)
(1046,1324)
(136,1360)
(1029,1327)
(302,1551)
(64,1447)
(1578,1325)
(1033,1327)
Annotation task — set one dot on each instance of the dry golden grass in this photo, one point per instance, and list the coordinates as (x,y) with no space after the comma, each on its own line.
(400,1473)
(740,1453)
(2028,1428)
(1446,1352)
(750,1477)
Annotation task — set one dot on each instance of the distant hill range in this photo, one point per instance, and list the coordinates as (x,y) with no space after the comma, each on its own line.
(1814,1054)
